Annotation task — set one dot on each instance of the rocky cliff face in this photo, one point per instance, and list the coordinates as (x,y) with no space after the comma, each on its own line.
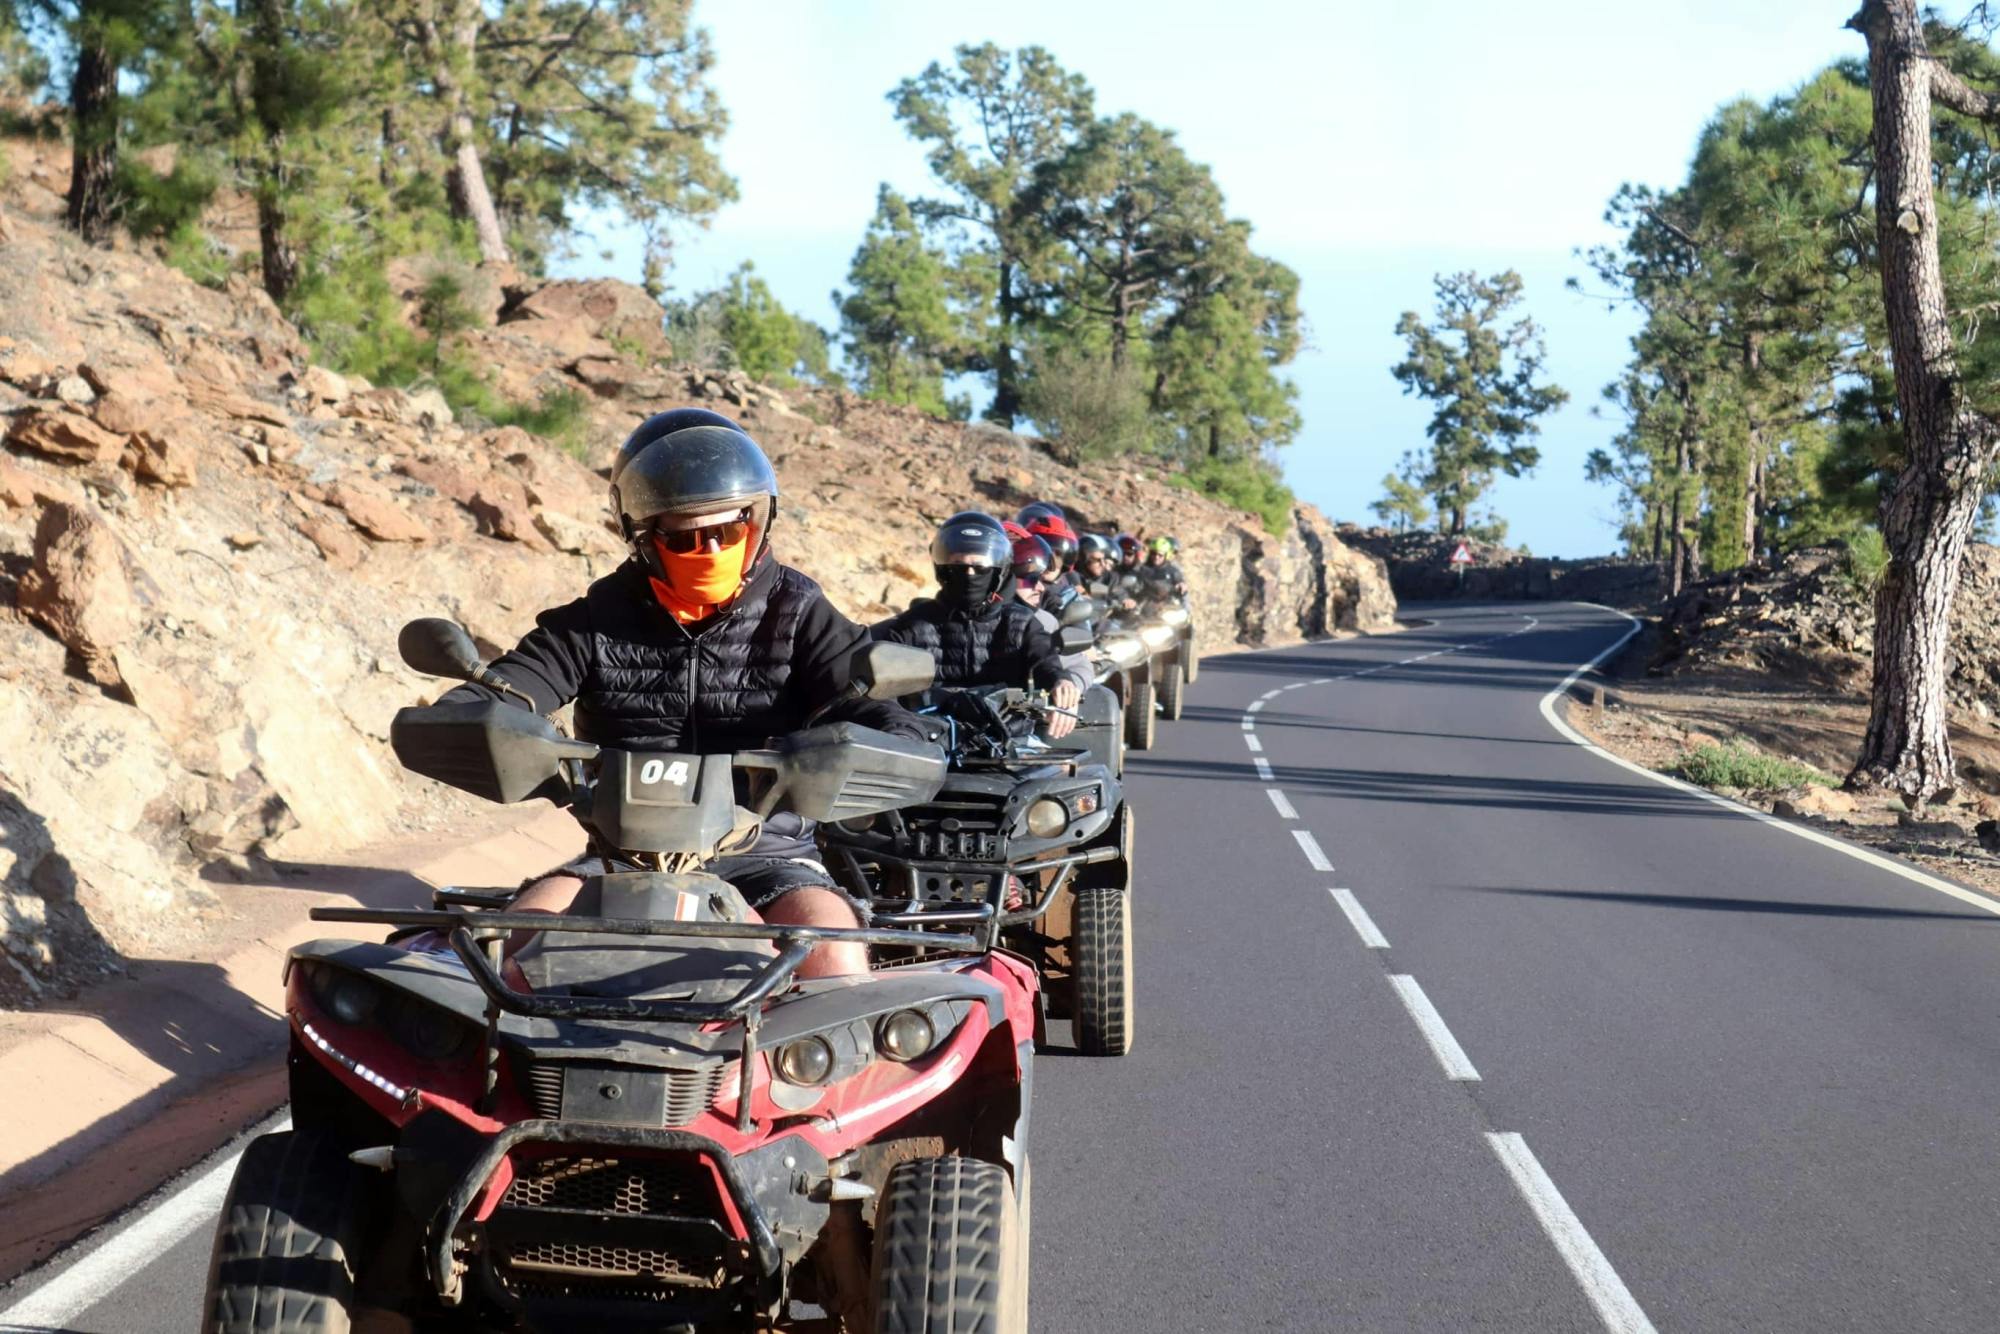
(1420,570)
(207,544)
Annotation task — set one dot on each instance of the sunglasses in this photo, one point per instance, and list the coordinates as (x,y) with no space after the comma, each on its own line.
(687,541)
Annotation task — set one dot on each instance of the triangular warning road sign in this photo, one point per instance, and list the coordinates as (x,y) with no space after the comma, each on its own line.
(1462,556)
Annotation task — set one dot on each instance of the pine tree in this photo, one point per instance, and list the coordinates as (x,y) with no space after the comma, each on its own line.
(601,104)
(1403,505)
(1482,378)
(988,122)
(897,319)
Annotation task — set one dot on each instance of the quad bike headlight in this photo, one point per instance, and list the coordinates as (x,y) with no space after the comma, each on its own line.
(906,1035)
(1047,817)
(806,1061)
(1084,802)
(348,997)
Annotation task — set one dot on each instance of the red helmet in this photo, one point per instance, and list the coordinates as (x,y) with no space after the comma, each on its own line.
(1055,530)
(1128,544)
(1032,557)
(1014,530)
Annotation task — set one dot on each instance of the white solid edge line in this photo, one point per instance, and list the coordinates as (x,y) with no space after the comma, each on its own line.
(58,1302)
(1600,1282)
(1310,846)
(1358,918)
(1263,768)
(1845,849)
(1457,1065)
(1283,804)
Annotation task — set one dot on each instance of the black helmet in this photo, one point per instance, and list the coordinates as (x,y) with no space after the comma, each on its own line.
(1039,509)
(690,461)
(1099,544)
(971,538)
(970,554)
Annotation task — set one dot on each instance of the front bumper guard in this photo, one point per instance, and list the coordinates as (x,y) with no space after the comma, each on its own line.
(447,1273)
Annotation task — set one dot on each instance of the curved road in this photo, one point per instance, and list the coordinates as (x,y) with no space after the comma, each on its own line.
(1449,1023)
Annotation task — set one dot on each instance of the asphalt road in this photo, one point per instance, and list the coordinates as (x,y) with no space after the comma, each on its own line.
(1574,1049)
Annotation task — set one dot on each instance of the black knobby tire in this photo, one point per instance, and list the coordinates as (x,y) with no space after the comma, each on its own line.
(1171,692)
(288,1242)
(950,1250)
(1139,716)
(1101,1017)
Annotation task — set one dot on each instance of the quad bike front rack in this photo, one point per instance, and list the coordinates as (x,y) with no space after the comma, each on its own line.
(476,939)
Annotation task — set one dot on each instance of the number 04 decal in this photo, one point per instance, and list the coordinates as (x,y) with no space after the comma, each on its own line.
(654,771)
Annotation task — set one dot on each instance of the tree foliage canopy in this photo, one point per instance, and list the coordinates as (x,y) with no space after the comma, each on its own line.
(1481,374)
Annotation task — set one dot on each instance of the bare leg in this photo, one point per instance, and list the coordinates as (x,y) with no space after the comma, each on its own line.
(810,906)
(550,894)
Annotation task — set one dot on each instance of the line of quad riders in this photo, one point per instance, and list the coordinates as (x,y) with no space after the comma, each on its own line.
(761,1057)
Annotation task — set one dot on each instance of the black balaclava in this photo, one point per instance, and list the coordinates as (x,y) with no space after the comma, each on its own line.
(968,587)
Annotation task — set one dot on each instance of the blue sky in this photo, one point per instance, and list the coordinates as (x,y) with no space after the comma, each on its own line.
(1372,145)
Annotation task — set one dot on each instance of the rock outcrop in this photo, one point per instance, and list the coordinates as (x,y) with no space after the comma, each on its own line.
(1809,618)
(1420,570)
(207,544)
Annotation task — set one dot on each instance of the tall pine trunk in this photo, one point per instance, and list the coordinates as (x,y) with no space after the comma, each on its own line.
(1006,378)
(451,47)
(1929,509)
(268,94)
(93,107)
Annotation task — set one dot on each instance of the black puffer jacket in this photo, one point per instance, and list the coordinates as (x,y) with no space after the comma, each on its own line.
(1001,644)
(643,681)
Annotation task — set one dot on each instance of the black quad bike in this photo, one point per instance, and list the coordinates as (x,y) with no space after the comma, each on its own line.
(1038,836)
(643,1118)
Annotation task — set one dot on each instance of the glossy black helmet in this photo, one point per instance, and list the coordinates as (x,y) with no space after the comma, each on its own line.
(1098,544)
(1039,509)
(689,461)
(972,538)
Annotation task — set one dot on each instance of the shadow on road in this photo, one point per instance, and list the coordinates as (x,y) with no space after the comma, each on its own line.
(1717,903)
(1507,792)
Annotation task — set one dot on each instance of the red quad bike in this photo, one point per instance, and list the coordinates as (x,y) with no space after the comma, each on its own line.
(643,1119)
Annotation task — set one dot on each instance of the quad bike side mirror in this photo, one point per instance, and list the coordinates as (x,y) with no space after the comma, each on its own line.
(1081,609)
(438,647)
(891,671)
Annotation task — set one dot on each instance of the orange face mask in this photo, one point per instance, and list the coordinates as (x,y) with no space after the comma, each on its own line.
(698,583)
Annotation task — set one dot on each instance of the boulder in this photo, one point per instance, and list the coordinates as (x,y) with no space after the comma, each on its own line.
(501,506)
(336,542)
(615,311)
(1822,801)
(447,479)
(122,411)
(78,589)
(165,457)
(69,436)
(320,385)
(375,512)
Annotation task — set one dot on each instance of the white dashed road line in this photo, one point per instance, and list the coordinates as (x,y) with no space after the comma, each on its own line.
(1606,1292)
(1599,1281)
(1310,846)
(1443,1045)
(1358,918)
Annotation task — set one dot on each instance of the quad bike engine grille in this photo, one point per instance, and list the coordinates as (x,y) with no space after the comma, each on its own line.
(960,832)
(637,1189)
(689,1092)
